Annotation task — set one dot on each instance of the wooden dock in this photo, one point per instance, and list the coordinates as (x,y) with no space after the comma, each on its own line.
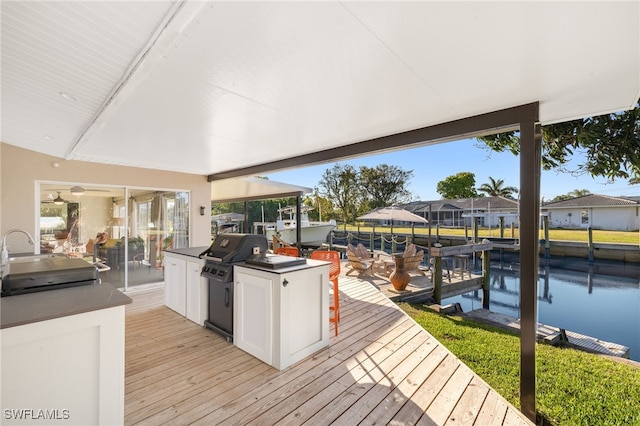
(553,335)
(420,288)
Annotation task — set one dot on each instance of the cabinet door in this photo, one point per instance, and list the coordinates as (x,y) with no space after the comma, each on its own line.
(303,306)
(253,315)
(196,293)
(175,284)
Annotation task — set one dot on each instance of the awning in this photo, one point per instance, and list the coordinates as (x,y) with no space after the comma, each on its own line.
(252,188)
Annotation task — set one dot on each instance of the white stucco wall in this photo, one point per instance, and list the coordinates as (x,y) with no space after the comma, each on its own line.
(618,218)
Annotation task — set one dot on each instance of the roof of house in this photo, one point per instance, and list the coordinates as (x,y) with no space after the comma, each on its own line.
(480,203)
(593,200)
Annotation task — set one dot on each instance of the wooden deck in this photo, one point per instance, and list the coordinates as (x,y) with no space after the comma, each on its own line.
(381,369)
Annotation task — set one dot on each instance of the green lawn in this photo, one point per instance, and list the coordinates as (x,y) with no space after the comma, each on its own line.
(573,387)
(598,235)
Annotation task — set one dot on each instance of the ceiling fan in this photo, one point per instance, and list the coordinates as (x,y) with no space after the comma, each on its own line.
(57,200)
(75,191)
(79,190)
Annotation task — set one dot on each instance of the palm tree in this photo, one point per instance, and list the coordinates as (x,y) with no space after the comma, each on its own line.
(573,194)
(578,193)
(495,188)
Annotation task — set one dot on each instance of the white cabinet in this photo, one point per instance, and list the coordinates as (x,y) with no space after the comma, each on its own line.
(175,284)
(186,291)
(282,316)
(72,367)
(197,292)
(253,322)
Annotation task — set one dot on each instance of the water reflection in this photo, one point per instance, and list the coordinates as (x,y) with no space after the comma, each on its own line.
(600,300)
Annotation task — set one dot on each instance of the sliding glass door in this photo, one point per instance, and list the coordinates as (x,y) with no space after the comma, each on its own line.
(122,230)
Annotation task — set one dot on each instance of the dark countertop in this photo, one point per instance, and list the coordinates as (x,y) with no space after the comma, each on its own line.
(189,251)
(46,305)
(310,263)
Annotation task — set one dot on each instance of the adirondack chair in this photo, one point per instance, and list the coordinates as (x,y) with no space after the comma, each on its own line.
(413,259)
(359,265)
(412,263)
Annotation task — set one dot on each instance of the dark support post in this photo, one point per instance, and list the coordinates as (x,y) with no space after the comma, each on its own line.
(486,279)
(437,278)
(476,224)
(245,223)
(501,226)
(373,237)
(429,240)
(298,221)
(530,159)
(547,244)
(590,245)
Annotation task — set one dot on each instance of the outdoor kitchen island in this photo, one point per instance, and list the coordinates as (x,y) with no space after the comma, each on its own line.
(273,307)
(281,314)
(63,356)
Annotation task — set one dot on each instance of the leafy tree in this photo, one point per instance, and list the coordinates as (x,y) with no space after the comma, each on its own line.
(611,143)
(385,185)
(573,194)
(460,185)
(340,184)
(323,207)
(495,188)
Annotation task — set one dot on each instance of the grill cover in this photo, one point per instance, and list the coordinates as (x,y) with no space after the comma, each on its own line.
(232,248)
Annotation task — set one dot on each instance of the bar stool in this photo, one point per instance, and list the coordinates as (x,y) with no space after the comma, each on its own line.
(461,265)
(334,272)
(445,263)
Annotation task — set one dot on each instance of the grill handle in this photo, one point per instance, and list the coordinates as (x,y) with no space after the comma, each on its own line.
(215,259)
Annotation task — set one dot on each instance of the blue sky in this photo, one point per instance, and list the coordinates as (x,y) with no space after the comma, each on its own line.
(434,163)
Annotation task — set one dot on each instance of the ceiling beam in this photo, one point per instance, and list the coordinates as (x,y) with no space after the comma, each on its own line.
(489,123)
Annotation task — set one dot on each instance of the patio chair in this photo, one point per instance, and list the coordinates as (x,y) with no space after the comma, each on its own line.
(360,250)
(334,271)
(412,263)
(359,265)
(287,251)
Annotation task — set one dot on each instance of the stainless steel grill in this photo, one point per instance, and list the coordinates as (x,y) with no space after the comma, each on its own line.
(225,251)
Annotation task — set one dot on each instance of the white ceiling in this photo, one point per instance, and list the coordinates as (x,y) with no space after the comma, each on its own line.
(207,87)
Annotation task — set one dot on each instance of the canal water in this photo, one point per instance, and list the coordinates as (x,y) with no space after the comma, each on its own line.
(601,300)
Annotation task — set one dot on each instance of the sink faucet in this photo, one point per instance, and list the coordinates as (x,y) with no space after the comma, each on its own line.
(11,231)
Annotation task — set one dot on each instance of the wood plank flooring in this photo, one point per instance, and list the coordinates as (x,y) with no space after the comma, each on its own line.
(382,368)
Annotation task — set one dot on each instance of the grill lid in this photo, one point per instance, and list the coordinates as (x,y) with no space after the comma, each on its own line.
(232,248)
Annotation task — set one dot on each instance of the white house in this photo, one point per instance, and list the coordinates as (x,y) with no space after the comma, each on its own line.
(458,212)
(595,211)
